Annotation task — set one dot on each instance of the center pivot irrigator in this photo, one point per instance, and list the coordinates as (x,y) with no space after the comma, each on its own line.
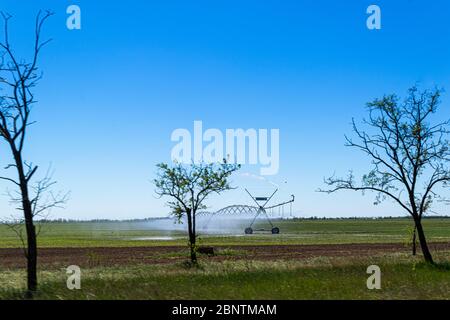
(261,210)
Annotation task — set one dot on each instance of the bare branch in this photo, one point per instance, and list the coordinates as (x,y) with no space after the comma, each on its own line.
(403,145)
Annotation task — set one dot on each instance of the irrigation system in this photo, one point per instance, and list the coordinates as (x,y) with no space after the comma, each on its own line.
(261,209)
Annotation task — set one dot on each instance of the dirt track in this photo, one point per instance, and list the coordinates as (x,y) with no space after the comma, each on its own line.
(91,257)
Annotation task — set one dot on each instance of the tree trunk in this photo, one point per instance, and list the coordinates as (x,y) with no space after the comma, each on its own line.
(423,241)
(191,230)
(31,258)
(29,225)
(193,249)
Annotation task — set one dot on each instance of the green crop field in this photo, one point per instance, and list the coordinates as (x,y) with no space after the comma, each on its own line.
(124,234)
(112,234)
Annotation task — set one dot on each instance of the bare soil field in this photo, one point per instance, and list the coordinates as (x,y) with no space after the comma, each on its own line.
(110,256)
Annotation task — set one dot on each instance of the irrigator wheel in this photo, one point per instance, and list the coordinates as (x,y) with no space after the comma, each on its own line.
(248,230)
(275,230)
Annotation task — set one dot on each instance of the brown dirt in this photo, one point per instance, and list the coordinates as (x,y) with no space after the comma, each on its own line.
(93,257)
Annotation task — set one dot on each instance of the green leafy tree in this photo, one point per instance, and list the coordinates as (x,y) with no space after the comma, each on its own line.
(409,152)
(189,186)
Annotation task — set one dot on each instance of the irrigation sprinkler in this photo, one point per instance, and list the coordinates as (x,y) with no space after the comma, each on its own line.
(260,210)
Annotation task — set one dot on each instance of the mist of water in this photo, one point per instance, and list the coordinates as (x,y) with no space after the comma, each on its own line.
(205,224)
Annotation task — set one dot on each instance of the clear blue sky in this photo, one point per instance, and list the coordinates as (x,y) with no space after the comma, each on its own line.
(114,91)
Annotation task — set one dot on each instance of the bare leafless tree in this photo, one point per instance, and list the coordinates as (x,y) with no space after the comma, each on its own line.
(410,155)
(43,200)
(17,80)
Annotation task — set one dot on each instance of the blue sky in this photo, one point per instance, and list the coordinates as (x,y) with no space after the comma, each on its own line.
(114,91)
